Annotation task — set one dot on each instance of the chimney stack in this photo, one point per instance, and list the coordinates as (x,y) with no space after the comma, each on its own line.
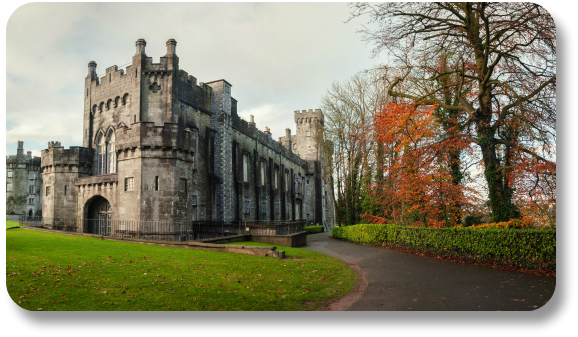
(92,69)
(171,46)
(20,151)
(140,46)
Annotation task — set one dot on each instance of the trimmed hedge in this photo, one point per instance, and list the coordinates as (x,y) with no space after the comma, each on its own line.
(313,229)
(528,248)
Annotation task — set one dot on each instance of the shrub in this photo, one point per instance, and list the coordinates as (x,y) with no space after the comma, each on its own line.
(313,229)
(528,248)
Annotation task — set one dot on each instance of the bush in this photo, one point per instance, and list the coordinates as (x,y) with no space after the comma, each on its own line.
(313,229)
(472,220)
(528,248)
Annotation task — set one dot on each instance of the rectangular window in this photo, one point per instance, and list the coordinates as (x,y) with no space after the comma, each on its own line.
(32,176)
(183,185)
(307,133)
(65,189)
(246,168)
(31,189)
(48,190)
(276,179)
(30,201)
(129,184)
(287,181)
(262,173)
(9,174)
(277,208)
(156,183)
(246,208)
(8,187)
(195,216)
(264,207)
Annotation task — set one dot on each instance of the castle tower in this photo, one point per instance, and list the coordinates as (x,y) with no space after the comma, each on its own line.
(308,124)
(60,168)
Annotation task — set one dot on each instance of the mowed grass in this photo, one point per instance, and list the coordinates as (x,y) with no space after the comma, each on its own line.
(11,224)
(46,271)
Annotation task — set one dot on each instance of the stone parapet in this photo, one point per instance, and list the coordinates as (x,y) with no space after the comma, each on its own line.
(147,134)
(249,130)
(100,179)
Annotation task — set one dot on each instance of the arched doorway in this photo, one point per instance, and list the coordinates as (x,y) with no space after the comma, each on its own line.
(99,215)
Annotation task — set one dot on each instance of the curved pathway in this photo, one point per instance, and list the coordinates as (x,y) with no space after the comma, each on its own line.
(392,280)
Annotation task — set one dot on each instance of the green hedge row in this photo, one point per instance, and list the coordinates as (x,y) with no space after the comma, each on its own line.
(529,248)
(313,229)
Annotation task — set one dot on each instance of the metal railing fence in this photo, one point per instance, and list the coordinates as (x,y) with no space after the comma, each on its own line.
(163,230)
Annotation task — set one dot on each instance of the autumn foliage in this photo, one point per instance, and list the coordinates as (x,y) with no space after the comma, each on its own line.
(420,189)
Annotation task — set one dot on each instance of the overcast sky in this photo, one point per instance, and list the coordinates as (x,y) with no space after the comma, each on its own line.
(279,57)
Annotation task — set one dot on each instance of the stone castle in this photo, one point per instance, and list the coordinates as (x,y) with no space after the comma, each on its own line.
(23,184)
(158,146)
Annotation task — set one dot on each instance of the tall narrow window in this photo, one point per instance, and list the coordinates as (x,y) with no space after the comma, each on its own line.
(264,207)
(31,189)
(246,207)
(195,215)
(262,173)
(111,152)
(246,168)
(276,179)
(156,183)
(48,190)
(287,181)
(65,189)
(101,154)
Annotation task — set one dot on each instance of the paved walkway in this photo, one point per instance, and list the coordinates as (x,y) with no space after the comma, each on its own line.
(397,281)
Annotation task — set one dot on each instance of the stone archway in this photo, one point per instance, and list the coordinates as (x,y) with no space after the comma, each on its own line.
(98,216)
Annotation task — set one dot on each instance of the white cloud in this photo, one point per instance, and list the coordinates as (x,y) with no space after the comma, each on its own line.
(280,57)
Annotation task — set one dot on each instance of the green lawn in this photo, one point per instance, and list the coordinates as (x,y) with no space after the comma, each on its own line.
(11,223)
(61,272)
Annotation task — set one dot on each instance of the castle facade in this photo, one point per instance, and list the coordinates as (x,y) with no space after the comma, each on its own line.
(23,184)
(158,146)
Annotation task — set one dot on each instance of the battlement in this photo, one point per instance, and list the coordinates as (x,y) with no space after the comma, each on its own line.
(56,155)
(264,138)
(147,134)
(308,116)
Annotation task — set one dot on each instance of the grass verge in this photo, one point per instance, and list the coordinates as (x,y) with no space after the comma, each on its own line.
(46,271)
(11,223)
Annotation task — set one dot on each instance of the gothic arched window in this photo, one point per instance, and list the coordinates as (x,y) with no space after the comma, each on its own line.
(105,152)
(101,153)
(111,152)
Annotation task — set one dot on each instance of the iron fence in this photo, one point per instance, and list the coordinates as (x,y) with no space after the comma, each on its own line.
(163,230)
